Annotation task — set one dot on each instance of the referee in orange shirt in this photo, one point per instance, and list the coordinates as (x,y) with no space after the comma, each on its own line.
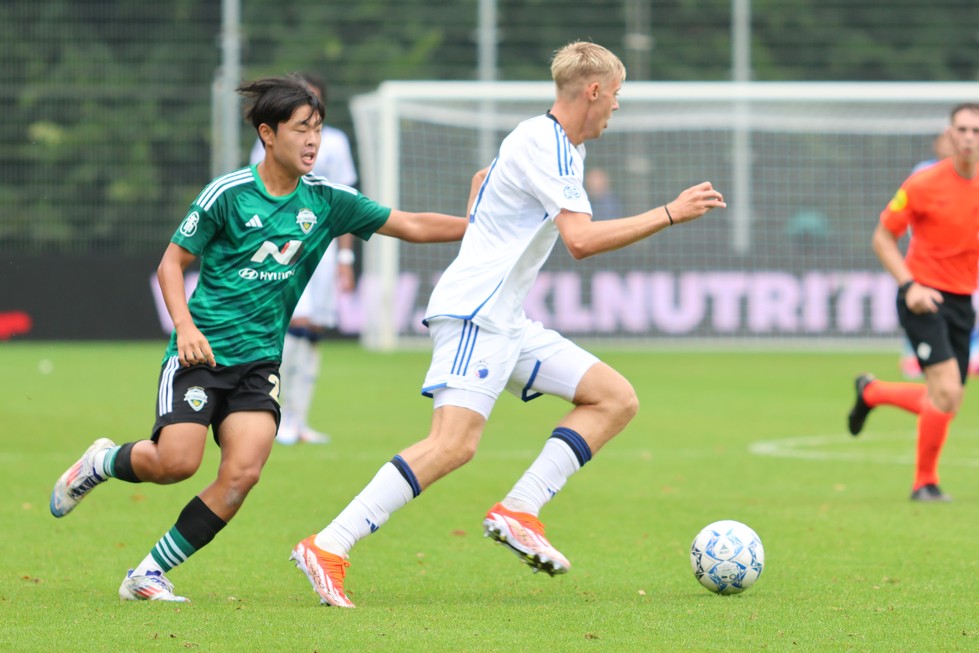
(936,279)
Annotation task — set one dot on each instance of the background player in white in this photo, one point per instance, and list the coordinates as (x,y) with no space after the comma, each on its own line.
(483,341)
(317,308)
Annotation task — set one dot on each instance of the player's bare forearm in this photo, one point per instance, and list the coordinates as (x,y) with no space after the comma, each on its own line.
(345,241)
(345,261)
(886,248)
(918,298)
(424,227)
(170,274)
(192,346)
(584,237)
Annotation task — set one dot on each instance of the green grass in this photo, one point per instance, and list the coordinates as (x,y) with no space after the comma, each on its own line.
(852,565)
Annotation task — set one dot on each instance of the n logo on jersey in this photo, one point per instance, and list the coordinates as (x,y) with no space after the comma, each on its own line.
(306,220)
(284,256)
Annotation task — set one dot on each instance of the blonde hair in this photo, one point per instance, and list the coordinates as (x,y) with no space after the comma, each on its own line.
(581,61)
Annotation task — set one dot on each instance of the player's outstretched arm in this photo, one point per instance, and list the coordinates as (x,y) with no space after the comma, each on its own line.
(192,347)
(432,227)
(584,237)
(424,227)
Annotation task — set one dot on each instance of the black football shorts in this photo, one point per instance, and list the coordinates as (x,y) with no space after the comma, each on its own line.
(206,395)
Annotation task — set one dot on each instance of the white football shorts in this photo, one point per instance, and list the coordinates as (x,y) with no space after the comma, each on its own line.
(471,366)
(318,303)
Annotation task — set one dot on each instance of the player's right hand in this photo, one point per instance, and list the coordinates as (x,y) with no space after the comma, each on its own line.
(193,348)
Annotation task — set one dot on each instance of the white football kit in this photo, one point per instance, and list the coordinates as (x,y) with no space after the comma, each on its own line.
(483,340)
(334,161)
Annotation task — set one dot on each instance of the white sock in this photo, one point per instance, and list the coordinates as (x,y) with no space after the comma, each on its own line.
(148,564)
(99,461)
(309,372)
(543,479)
(299,369)
(369,510)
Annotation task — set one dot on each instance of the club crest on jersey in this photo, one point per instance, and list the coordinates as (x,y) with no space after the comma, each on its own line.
(572,192)
(196,397)
(480,371)
(306,220)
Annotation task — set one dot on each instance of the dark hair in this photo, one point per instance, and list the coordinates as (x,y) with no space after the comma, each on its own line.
(273,100)
(965,106)
(317,83)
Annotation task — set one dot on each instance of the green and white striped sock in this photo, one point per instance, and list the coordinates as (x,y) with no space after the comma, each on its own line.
(170,551)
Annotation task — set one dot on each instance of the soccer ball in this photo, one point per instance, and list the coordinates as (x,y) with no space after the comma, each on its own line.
(727,557)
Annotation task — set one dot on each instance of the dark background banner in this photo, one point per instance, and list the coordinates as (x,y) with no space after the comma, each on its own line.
(78,297)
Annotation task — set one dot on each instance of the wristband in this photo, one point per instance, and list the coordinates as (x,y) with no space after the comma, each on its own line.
(902,290)
(345,257)
(667,209)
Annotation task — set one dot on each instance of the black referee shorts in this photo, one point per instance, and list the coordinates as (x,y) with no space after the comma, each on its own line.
(938,337)
(206,395)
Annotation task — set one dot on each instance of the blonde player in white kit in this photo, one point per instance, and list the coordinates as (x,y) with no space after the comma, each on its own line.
(533,193)
(317,308)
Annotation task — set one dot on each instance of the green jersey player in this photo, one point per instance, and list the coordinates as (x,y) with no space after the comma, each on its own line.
(249,281)
(259,233)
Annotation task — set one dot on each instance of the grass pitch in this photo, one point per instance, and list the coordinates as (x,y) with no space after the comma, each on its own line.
(852,565)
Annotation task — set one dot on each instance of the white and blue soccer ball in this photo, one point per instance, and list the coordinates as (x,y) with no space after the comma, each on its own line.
(727,557)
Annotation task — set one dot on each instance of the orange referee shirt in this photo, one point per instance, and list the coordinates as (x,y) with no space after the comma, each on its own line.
(942,211)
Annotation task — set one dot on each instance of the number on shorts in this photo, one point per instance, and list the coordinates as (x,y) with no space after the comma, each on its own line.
(276,384)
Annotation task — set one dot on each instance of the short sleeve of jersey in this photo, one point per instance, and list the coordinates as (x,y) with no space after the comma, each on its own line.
(198,227)
(897,215)
(555,170)
(356,214)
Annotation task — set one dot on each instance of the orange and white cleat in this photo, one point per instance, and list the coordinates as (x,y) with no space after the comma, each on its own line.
(324,570)
(523,534)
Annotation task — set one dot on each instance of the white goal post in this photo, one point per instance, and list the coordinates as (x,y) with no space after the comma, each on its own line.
(805,168)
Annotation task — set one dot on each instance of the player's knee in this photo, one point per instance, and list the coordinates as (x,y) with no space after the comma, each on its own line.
(458,454)
(248,478)
(455,452)
(621,400)
(630,404)
(947,397)
(241,478)
(610,392)
(174,471)
(466,453)
(625,404)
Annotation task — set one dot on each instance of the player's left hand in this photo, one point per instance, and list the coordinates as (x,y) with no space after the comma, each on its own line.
(922,299)
(695,202)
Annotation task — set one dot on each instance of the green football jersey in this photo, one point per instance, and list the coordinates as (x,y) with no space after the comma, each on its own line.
(257,254)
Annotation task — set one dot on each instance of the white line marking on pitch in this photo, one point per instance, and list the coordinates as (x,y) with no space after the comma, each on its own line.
(812,447)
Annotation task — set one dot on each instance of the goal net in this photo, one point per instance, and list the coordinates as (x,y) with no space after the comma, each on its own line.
(805,168)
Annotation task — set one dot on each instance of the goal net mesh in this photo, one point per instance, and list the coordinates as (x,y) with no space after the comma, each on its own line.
(805,169)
